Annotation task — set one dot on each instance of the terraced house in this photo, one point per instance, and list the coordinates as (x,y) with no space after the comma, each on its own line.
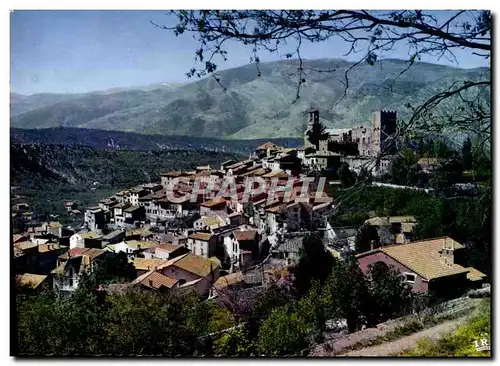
(188,272)
(435,266)
(73,264)
(202,244)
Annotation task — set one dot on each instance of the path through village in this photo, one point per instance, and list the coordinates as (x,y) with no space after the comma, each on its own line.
(403,344)
(341,344)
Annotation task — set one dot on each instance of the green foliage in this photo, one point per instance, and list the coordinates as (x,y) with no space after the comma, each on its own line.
(40,324)
(89,322)
(443,150)
(465,220)
(48,175)
(221,318)
(115,269)
(404,330)
(315,263)
(449,173)
(286,326)
(282,333)
(346,294)
(391,296)
(460,343)
(468,221)
(351,219)
(381,201)
(149,324)
(236,342)
(272,297)
(311,312)
(467,156)
(346,176)
(365,300)
(433,218)
(366,235)
(404,169)
(61,326)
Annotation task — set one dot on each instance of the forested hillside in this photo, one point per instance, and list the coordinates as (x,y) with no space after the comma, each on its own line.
(49,174)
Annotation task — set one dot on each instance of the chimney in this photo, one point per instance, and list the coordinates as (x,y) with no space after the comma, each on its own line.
(442,258)
(371,244)
(151,282)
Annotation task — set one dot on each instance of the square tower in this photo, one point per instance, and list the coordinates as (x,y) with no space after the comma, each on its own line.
(313,117)
(384,124)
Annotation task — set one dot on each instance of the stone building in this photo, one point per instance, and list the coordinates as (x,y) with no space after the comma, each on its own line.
(437,266)
(359,145)
(371,139)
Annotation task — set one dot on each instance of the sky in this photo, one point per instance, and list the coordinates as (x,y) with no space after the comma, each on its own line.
(82,51)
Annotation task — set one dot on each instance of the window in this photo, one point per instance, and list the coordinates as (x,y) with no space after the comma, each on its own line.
(410,277)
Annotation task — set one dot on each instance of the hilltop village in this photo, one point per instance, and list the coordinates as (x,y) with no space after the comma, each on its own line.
(184,237)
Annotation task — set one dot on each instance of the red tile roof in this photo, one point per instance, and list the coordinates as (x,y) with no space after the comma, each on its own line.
(268,145)
(232,279)
(168,247)
(155,280)
(90,252)
(245,235)
(192,263)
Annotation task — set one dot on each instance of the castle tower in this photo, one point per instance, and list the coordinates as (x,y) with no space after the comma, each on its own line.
(383,126)
(313,116)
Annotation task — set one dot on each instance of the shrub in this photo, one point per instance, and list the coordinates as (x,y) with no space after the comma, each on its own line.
(460,343)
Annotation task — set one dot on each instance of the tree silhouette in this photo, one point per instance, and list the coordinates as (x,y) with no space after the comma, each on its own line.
(365,237)
(346,176)
(467,154)
(315,263)
(317,133)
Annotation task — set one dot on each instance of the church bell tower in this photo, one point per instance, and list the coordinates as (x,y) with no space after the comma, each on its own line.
(313,117)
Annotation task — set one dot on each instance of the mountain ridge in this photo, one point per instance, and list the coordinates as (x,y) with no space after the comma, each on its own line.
(251,106)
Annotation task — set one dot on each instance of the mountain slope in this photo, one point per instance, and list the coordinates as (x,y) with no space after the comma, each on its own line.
(25,103)
(49,174)
(117,140)
(253,106)
(20,104)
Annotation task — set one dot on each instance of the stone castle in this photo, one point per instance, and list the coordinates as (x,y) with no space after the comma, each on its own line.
(371,139)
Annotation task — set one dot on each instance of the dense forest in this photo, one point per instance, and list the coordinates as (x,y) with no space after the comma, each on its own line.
(118,140)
